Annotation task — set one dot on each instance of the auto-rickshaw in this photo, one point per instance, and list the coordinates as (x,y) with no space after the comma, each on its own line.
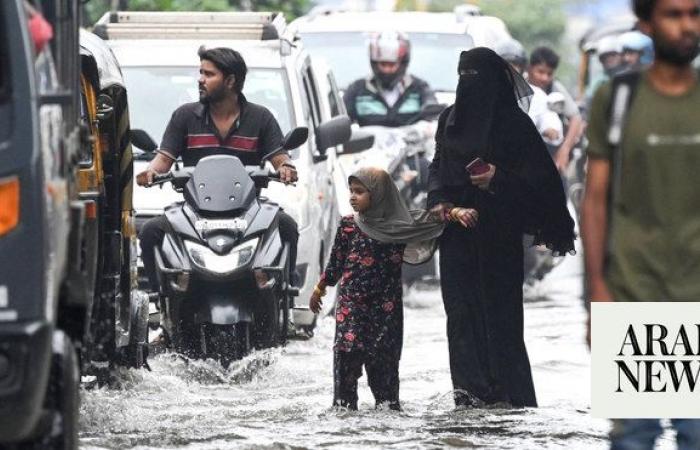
(118,327)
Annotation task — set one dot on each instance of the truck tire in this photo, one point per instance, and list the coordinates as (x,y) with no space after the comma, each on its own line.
(62,399)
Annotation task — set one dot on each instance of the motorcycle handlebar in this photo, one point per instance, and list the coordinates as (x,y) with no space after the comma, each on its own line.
(162,178)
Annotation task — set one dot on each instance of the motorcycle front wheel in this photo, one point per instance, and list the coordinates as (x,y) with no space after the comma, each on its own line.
(225,343)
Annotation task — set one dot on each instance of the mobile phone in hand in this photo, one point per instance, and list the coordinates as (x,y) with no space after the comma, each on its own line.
(477,167)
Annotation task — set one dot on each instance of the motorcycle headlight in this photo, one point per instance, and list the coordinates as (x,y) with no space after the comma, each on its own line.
(205,258)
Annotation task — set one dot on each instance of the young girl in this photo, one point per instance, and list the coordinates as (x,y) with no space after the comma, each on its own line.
(366,259)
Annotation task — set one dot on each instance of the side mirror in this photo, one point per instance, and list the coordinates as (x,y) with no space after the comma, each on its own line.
(292,140)
(429,111)
(295,138)
(142,140)
(332,132)
(360,141)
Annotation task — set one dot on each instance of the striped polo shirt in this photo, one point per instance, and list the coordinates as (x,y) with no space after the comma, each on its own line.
(191,134)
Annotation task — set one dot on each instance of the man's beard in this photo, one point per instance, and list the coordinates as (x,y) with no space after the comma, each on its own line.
(674,54)
(207,98)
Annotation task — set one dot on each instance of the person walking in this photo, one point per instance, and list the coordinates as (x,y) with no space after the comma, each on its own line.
(366,260)
(640,226)
(518,190)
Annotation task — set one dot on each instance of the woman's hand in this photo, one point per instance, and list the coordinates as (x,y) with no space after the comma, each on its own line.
(468,217)
(440,211)
(315,303)
(483,181)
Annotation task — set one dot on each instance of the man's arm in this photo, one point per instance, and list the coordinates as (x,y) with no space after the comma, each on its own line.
(271,140)
(594,227)
(159,164)
(283,164)
(173,143)
(562,157)
(573,133)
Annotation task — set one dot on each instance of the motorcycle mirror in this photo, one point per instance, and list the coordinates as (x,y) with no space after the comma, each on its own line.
(431,111)
(142,140)
(295,138)
(292,140)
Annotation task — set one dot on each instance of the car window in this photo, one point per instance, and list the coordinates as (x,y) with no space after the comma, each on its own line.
(334,100)
(311,93)
(434,56)
(155,92)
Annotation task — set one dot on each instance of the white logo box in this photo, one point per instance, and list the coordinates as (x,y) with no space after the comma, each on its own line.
(645,360)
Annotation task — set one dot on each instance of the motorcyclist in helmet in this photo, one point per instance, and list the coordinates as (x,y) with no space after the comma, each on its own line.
(609,51)
(637,50)
(547,122)
(390,97)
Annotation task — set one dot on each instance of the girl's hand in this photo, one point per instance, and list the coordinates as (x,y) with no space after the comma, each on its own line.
(440,211)
(468,217)
(315,303)
(484,180)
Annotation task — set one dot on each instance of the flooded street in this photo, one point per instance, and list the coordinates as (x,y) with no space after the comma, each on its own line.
(280,399)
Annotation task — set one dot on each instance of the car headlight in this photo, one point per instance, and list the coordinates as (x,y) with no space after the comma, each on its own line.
(205,258)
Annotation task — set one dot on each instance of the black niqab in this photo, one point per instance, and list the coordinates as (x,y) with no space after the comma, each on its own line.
(488,87)
(489,120)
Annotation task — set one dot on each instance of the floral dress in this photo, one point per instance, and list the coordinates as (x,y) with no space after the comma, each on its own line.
(369,311)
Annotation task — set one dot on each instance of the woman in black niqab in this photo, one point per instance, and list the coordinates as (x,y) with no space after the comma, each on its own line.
(482,268)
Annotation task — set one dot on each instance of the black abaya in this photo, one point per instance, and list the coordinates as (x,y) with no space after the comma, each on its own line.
(482,268)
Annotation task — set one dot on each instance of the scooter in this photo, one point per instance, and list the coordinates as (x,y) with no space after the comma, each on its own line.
(223,269)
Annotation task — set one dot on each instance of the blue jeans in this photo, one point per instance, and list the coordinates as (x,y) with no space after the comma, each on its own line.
(641,434)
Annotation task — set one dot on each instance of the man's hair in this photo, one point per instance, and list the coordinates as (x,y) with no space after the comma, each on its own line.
(643,8)
(228,61)
(544,55)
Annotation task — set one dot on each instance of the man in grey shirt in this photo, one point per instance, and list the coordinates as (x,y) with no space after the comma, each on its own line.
(543,63)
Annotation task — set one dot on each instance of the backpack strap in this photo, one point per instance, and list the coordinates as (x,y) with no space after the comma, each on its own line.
(624,88)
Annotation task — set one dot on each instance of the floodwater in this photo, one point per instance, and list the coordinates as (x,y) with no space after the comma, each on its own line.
(280,398)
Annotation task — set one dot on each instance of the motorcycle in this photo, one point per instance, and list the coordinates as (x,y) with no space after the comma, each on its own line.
(223,268)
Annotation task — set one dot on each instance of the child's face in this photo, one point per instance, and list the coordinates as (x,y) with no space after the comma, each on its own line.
(359,196)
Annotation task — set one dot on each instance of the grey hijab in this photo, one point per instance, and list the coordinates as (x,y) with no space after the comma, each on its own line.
(388,219)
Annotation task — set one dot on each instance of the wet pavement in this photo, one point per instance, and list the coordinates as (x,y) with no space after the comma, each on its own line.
(280,398)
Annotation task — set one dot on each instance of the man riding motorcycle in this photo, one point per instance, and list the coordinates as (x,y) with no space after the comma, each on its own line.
(609,51)
(393,98)
(637,50)
(223,122)
(390,97)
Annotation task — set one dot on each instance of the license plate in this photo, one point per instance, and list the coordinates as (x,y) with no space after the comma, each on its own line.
(221,224)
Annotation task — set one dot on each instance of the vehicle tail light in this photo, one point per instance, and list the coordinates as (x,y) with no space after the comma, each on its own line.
(9,204)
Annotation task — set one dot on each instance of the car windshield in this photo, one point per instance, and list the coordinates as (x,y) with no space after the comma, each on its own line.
(155,92)
(434,56)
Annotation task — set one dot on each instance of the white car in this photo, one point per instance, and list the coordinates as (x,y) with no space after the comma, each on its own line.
(160,66)
(342,39)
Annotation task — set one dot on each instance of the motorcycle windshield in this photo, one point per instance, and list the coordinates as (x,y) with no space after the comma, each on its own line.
(219,184)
